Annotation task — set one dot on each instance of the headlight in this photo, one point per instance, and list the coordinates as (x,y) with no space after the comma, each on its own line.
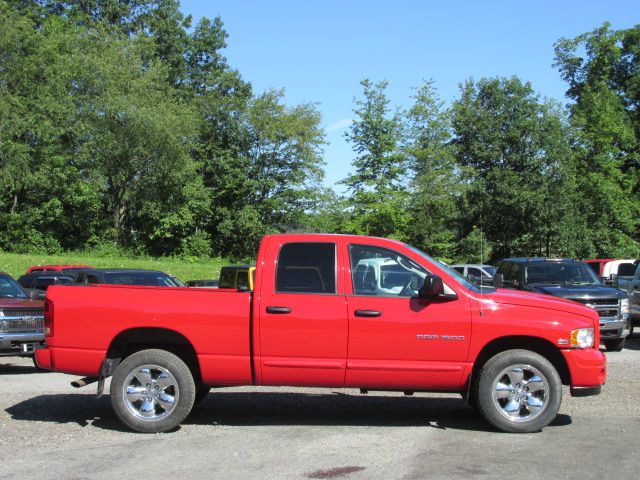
(582,338)
(624,306)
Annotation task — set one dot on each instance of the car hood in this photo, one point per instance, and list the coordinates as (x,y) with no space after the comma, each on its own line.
(537,300)
(582,292)
(20,303)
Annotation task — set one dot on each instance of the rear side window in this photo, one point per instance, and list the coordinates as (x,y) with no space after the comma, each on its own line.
(306,268)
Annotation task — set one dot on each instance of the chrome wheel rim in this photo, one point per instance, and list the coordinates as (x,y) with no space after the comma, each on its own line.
(151,392)
(520,393)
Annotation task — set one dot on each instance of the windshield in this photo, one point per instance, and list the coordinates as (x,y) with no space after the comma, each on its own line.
(560,273)
(9,288)
(457,276)
(141,278)
(490,270)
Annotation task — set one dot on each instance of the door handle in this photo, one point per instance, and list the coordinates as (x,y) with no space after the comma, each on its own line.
(367,313)
(279,310)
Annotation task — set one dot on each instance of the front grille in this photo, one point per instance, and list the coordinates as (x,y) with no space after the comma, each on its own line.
(13,321)
(611,302)
(606,307)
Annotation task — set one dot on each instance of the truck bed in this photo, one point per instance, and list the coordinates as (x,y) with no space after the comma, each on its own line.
(90,318)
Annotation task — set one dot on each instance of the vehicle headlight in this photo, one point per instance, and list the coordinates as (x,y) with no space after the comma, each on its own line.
(582,338)
(624,306)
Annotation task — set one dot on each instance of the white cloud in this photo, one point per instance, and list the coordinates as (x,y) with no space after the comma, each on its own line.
(339,125)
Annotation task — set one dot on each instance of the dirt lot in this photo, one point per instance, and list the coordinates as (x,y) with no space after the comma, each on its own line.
(50,430)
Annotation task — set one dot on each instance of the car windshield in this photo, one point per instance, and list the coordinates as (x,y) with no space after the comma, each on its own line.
(157,279)
(490,270)
(457,276)
(9,288)
(560,273)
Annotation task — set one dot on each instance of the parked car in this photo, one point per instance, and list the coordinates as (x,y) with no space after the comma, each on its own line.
(202,283)
(39,282)
(477,272)
(21,320)
(609,269)
(126,276)
(573,280)
(634,297)
(307,323)
(54,268)
(237,277)
(624,275)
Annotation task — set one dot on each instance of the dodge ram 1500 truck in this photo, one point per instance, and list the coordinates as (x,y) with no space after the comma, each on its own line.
(315,319)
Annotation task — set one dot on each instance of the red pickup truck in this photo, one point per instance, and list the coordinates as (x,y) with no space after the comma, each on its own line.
(327,311)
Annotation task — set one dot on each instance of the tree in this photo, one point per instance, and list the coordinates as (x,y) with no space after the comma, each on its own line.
(437,187)
(605,89)
(140,131)
(518,159)
(379,197)
(47,200)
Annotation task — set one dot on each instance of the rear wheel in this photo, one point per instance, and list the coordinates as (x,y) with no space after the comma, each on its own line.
(614,345)
(519,391)
(152,391)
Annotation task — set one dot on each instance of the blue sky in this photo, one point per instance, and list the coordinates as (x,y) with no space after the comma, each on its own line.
(319,51)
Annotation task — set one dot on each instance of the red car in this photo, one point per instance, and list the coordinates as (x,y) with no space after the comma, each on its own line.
(54,268)
(319,317)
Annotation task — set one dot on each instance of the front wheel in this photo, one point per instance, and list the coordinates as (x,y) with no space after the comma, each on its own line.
(152,391)
(519,391)
(614,345)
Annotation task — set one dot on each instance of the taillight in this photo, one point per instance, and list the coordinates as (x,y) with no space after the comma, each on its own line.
(48,318)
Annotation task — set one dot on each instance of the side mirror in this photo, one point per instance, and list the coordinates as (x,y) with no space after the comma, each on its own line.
(615,282)
(432,287)
(498,280)
(35,294)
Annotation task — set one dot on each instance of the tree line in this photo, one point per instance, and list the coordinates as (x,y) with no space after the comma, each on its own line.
(122,123)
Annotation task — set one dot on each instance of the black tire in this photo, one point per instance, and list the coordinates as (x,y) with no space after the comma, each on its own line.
(519,391)
(614,345)
(201,393)
(152,391)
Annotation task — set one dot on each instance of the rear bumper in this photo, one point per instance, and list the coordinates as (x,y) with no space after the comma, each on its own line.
(71,360)
(43,359)
(588,370)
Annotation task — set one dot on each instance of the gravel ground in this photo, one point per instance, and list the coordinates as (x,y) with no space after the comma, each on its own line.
(50,430)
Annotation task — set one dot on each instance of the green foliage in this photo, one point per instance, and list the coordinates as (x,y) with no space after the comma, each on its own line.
(604,84)
(474,248)
(379,198)
(437,187)
(518,162)
(124,129)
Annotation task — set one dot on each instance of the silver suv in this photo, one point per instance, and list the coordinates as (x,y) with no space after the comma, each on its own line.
(634,298)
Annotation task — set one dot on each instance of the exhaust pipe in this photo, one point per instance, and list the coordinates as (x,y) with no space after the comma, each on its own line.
(83,382)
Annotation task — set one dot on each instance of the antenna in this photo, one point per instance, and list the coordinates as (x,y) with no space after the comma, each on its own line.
(481,252)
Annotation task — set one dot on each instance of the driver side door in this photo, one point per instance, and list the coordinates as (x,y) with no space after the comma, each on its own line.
(396,339)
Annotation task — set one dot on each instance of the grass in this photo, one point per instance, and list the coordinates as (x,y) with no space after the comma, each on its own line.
(16,264)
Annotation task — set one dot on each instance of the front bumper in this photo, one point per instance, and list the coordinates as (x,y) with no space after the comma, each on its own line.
(587,368)
(613,330)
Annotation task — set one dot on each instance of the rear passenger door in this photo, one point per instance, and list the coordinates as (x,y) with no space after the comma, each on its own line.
(302,316)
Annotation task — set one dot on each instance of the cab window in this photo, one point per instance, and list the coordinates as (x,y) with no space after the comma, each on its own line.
(306,268)
(382,272)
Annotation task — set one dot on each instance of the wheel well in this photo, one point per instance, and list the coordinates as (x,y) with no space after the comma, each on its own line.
(534,344)
(131,341)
